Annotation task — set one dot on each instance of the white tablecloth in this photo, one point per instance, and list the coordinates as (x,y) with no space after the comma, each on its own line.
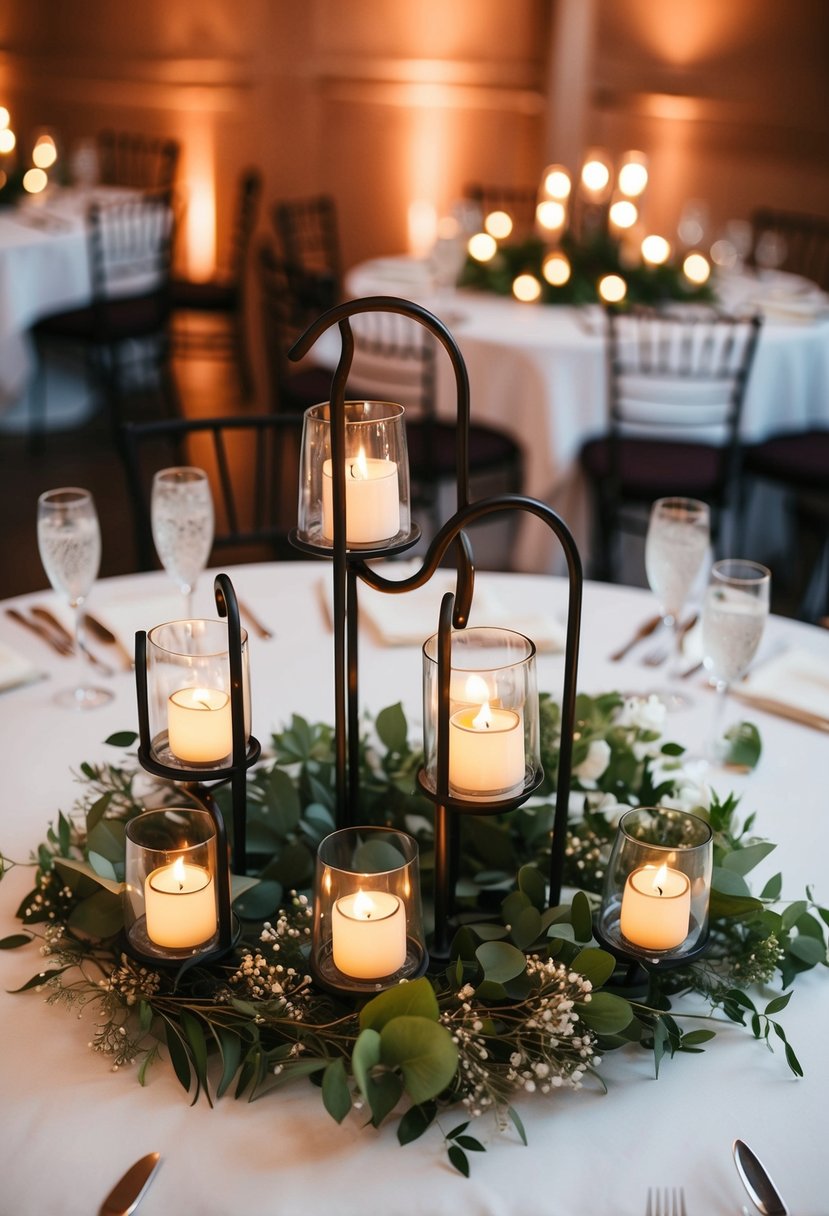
(71,1126)
(539,372)
(44,268)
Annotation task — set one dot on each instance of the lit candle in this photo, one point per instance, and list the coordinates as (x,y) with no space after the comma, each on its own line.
(486,752)
(656,908)
(180,904)
(368,934)
(372,500)
(199,725)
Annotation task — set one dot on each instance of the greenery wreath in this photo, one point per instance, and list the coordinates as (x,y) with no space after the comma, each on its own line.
(527,1003)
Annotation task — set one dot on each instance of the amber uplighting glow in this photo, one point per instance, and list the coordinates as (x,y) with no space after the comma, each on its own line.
(696,268)
(482,247)
(498,224)
(556,269)
(34,181)
(7,140)
(655,250)
(551,214)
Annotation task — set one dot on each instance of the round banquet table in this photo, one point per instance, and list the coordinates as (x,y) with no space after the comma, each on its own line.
(73,1126)
(539,372)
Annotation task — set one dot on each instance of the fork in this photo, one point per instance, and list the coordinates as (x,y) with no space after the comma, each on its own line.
(666,1202)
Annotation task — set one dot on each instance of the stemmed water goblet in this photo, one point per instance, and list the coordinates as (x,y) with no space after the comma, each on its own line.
(675,548)
(181,510)
(69,542)
(733,618)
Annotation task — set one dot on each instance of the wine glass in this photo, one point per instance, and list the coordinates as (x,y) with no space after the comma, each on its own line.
(675,548)
(182,521)
(69,542)
(733,619)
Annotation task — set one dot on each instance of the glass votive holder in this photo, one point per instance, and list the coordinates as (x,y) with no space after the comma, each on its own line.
(170,894)
(368,926)
(376,473)
(658,885)
(188,693)
(494,741)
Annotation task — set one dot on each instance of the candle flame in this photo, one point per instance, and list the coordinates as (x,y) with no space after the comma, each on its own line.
(483,719)
(358,469)
(659,879)
(178,872)
(363,906)
(477,689)
(201,698)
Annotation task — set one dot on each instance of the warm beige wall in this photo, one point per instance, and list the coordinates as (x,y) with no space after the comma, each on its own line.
(730,100)
(383,101)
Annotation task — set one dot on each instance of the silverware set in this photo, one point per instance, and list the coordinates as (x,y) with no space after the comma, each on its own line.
(46,626)
(670,1201)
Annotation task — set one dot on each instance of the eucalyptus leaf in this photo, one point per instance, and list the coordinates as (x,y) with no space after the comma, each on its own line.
(807,949)
(336,1095)
(259,902)
(85,870)
(595,965)
(100,916)
(581,917)
(500,961)
(745,859)
(526,928)
(423,1051)
(15,940)
(744,745)
(417,998)
(392,728)
(122,738)
(605,1013)
(108,838)
(98,809)
(364,1057)
(533,884)
(230,1046)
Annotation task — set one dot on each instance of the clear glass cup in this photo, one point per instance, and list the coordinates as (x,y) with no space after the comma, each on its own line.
(69,542)
(181,511)
(733,619)
(675,549)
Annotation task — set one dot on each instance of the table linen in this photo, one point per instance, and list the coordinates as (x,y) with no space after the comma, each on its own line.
(72,1125)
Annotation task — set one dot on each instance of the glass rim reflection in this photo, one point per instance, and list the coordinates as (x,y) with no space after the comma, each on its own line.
(219,652)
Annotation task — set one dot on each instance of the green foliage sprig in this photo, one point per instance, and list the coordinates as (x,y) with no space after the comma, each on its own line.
(589,262)
(527,1004)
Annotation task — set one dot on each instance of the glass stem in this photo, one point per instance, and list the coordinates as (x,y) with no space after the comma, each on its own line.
(714,748)
(75,605)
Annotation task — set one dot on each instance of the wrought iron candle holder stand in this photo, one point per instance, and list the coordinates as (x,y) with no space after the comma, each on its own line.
(654,910)
(349,566)
(155,757)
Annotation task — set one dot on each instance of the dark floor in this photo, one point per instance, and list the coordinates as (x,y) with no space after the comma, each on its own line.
(86,456)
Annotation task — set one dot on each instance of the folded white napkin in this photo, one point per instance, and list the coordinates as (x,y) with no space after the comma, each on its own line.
(794,684)
(793,300)
(409,619)
(15,670)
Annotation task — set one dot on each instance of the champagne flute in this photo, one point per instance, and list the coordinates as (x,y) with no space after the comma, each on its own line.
(69,542)
(182,521)
(733,619)
(675,548)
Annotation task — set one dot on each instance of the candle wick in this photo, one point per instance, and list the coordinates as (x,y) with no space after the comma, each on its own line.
(659,889)
(181,886)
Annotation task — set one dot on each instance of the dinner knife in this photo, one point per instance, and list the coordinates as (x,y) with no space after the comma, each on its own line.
(762,1191)
(39,631)
(644,631)
(128,1192)
(62,634)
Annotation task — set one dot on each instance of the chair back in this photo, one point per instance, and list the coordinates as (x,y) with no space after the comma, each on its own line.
(244,223)
(679,377)
(802,243)
(130,250)
(252,463)
(137,161)
(308,240)
(519,202)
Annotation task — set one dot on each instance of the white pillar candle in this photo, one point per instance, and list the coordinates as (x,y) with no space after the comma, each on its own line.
(372,500)
(368,934)
(180,904)
(486,753)
(199,725)
(656,908)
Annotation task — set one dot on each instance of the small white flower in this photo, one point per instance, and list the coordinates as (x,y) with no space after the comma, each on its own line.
(595,762)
